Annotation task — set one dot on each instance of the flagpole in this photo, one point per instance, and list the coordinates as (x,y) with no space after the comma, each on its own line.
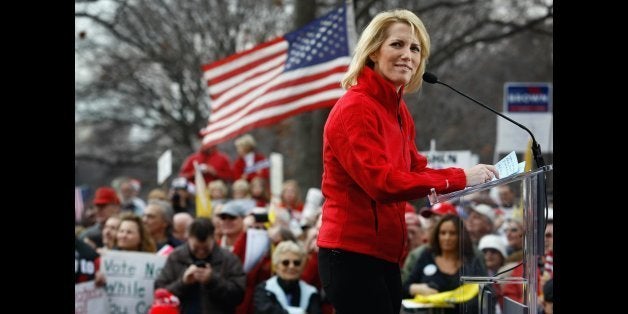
(351,31)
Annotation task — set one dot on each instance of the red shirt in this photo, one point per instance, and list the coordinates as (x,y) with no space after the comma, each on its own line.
(371,167)
(216,159)
(240,166)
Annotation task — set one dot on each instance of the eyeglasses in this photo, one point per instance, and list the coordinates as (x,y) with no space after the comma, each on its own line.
(549,235)
(512,230)
(295,262)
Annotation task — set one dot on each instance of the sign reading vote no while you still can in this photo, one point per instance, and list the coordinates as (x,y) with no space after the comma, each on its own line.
(130,277)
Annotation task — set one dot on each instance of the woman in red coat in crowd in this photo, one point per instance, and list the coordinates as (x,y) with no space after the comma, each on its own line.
(250,164)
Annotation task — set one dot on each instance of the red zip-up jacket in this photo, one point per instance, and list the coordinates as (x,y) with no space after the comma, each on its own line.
(371,167)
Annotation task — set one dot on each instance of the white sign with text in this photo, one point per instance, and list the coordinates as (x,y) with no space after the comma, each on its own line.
(130,277)
(90,300)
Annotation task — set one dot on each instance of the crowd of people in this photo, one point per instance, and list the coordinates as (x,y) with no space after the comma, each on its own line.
(362,250)
(209,271)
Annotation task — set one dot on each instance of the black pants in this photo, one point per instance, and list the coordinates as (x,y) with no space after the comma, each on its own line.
(358,283)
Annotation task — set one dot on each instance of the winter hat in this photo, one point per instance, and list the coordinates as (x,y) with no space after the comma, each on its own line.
(491,241)
(164,303)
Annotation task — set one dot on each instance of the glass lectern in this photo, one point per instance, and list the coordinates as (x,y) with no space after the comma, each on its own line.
(533,197)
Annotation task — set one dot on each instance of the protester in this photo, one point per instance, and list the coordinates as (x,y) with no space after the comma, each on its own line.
(131,236)
(205,278)
(181,222)
(214,165)
(158,219)
(250,163)
(439,267)
(285,292)
(109,234)
(107,204)
(85,257)
(372,167)
(128,189)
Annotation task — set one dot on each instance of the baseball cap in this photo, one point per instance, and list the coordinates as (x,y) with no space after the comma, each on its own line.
(106,195)
(441,209)
(484,210)
(491,241)
(234,209)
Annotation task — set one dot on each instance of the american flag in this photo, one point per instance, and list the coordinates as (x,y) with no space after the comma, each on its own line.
(298,72)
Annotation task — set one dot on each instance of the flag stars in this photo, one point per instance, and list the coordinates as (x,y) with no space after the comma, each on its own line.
(318,42)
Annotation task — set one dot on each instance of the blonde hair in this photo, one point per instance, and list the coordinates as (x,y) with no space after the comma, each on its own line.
(374,36)
(220,185)
(246,141)
(241,185)
(287,247)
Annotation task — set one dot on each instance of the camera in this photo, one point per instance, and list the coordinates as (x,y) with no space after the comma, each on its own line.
(261,217)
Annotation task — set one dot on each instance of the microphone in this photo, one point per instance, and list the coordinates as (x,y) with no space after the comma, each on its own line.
(536,148)
(538,159)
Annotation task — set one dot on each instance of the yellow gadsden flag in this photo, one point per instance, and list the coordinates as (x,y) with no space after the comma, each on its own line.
(203,200)
(461,294)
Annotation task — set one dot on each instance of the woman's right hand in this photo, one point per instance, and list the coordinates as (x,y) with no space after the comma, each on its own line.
(480,173)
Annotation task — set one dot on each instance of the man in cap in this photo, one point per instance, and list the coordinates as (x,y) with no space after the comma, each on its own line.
(205,278)
(231,222)
(107,204)
(479,222)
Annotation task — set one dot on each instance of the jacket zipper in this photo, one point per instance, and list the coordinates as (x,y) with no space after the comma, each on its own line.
(403,154)
(374,209)
(403,136)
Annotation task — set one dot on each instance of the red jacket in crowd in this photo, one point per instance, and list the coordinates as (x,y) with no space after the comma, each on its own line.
(240,166)
(371,168)
(214,158)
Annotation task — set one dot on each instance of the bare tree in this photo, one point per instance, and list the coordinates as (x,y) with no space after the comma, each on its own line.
(145,64)
(148,71)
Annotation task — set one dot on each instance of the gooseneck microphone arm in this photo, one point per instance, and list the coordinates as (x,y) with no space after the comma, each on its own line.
(536,148)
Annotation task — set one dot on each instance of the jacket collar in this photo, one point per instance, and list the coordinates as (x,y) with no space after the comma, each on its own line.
(385,92)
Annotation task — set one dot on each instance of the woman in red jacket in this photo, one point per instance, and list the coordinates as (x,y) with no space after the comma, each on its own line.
(372,167)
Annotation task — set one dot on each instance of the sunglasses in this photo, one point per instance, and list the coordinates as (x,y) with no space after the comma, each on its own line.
(226,217)
(549,235)
(295,262)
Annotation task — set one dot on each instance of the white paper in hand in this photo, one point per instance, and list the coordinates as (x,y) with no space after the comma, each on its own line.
(509,165)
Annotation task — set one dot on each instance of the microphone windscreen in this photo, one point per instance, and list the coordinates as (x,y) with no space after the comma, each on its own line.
(430,78)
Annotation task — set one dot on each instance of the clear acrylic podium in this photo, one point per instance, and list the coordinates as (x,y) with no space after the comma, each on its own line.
(533,189)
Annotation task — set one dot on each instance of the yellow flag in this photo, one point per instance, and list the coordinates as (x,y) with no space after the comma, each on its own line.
(203,200)
(528,157)
(461,294)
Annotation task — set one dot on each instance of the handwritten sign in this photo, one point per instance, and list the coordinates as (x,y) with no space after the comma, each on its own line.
(89,299)
(130,277)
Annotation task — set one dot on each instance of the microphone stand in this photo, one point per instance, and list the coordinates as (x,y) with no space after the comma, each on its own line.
(536,148)
(541,205)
